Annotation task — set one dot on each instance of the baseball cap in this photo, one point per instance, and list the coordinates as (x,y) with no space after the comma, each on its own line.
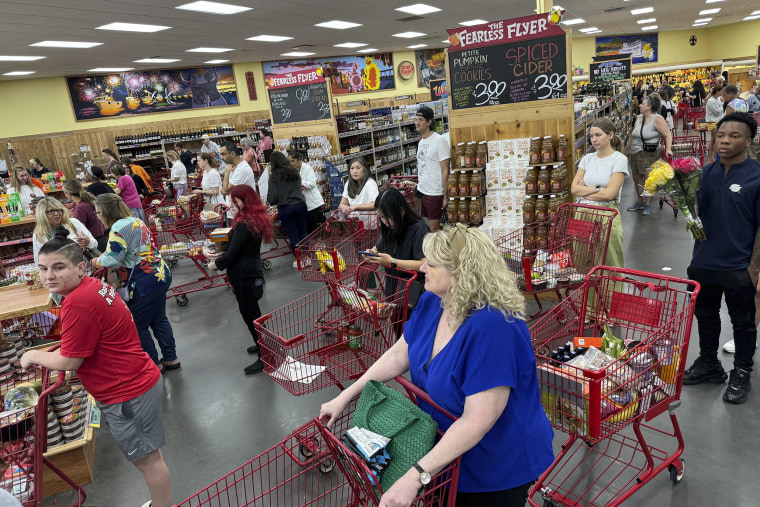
(205,136)
(426,113)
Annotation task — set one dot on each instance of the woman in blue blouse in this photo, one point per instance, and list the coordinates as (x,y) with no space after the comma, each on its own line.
(468,346)
(129,247)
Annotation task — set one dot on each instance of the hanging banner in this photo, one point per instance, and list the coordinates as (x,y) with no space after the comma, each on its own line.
(641,48)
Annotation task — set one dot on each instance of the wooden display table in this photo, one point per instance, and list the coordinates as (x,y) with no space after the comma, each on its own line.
(76,459)
(21,301)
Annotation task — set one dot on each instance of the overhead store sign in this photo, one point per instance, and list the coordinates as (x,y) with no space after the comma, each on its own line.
(299,96)
(295,79)
(500,32)
(611,70)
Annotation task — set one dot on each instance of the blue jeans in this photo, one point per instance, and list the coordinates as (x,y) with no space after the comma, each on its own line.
(138,213)
(293,218)
(150,312)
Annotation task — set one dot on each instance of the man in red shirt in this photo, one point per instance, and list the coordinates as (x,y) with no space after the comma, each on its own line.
(107,356)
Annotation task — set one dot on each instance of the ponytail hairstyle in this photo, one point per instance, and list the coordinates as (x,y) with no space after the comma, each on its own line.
(73,187)
(608,127)
(61,245)
(209,159)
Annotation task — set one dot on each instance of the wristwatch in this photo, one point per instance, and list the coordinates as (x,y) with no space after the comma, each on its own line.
(424,476)
(393,263)
(598,187)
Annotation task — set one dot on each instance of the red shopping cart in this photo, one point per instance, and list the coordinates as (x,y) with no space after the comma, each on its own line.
(598,464)
(335,333)
(557,253)
(281,245)
(24,440)
(406,185)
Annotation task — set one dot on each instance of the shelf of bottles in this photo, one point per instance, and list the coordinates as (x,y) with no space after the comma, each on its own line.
(316,151)
(386,138)
(611,101)
(682,78)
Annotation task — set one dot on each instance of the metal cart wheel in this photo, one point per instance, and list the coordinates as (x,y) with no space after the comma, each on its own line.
(267,264)
(27,343)
(172,262)
(181,300)
(675,213)
(675,475)
(327,466)
(661,203)
(305,452)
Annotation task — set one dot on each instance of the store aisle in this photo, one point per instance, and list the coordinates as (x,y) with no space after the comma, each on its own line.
(217,418)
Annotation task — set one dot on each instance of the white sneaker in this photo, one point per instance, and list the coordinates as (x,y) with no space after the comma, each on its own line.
(729,347)
(295,264)
(146,504)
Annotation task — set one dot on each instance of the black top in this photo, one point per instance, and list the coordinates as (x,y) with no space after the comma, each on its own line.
(187,158)
(410,249)
(243,256)
(697,100)
(284,193)
(38,174)
(671,91)
(98,188)
(140,185)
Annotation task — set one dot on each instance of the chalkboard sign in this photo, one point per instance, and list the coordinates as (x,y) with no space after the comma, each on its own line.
(439,89)
(520,71)
(611,70)
(299,96)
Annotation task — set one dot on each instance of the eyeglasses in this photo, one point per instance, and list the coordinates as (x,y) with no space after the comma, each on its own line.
(54,212)
(98,212)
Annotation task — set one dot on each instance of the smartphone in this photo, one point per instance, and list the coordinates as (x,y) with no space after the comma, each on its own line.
(368,254)
(196,188)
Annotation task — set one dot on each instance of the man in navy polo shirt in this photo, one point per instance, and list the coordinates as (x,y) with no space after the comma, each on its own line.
(729,206)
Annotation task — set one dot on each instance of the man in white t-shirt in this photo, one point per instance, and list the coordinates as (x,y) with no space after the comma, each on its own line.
(433,158)
(238,171)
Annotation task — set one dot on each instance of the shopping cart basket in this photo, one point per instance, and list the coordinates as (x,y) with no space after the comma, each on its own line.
(652,314)
(331,252)
(406,185)
(23,441)
(576,242)
(335,333)
(281,245)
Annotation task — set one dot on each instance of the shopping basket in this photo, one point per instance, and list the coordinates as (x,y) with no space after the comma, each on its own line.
(406,185)
(576,242)
(653,315)
(331,252)
(335,333)
(441,492)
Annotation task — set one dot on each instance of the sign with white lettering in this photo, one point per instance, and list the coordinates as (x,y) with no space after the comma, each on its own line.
(610,70)
(299,96)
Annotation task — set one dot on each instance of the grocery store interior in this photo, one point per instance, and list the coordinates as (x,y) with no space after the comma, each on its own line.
(81,76)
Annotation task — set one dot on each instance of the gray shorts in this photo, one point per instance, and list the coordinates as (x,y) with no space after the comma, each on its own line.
(137,425)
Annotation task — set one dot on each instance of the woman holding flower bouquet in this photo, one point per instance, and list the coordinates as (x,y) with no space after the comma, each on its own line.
(600,178)
(644,147)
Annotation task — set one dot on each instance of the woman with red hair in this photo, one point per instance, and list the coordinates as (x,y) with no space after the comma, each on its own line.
(250,227)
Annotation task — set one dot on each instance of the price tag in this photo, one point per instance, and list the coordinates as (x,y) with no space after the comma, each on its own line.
(94,416)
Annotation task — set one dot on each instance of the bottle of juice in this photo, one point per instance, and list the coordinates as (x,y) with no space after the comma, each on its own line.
(547,150)
(451,211)
(535,150)
(558,178)
(544,182)
(464,184)
(481,154)
(453,184)
(463,212)
(460,155)
(529,210)
(542,208)
(476,183)
(469,154)
(562,148)
(531,181)
(475,211)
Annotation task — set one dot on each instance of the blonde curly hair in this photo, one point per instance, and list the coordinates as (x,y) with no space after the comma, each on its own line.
(480,279)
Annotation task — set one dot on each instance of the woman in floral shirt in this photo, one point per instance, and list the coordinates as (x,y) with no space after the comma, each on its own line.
(148,277)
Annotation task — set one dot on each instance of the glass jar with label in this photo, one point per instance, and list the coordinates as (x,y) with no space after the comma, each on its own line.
(544,180)
(558,178)
(355,338)
(475,211)
(469,154)
(481,155)
(547,150)
(460,155)
(451,211)
(542,235)
(453,184)
(529,210)
(464,184)
(529,238)
(463,211)
(554,203)
(531,181)
(562,148)
(542,208)
(476,183)
(535,150)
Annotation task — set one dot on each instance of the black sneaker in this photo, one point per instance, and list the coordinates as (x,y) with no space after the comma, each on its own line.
(256,367)
(738,386)
(702,371)
(253,349)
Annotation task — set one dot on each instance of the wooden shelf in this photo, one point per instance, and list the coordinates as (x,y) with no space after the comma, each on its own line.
(548,163)
(466,169)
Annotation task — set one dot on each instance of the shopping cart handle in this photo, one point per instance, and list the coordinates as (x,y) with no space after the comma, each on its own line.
(415,392)
(61,375)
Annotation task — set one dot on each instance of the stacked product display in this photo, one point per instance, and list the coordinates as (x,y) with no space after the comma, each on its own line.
(67,415)
(467,184)
(589,108)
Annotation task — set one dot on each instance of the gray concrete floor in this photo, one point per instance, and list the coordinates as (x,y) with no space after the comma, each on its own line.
(216,418)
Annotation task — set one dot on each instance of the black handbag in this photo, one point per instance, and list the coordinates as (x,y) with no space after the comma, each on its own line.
(651,148)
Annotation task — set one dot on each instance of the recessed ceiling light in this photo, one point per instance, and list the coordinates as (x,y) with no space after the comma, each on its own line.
(645,10)
(650,27)
(111,69)
(594,31)
(473,22)
(212,62)
(418,9)
(368,50)
(269,38)
(213,8)
(409,35)
(350,45)
(157,60)
(65,44)
(699,24)
(707,12)
(576,21)
(756,13)
(447,41)
(590,29)
(21,58)
(417,46)
(19,73)
(297,53)
(645,21)
(338,25)
(714,1)
(750,18)
(133,27)
(703,20)
(210,50)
